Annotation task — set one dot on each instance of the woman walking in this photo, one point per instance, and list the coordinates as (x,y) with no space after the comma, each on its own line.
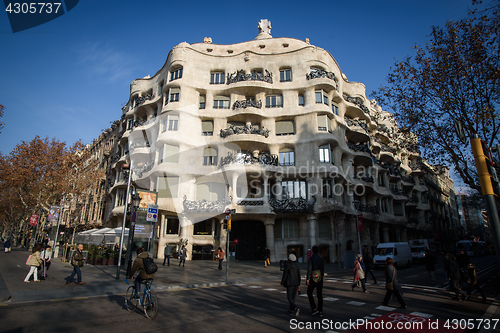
(392,284)
(359,273)
(34,261)
(291,281)
(220,256)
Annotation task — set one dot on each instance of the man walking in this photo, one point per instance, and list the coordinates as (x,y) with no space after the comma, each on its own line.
(454,277)
(291,281)
(267,254)
(77,262)
(314,280)
(166,252)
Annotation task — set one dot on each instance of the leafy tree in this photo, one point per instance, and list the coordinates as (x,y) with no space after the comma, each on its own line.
(41,173)
(456,75)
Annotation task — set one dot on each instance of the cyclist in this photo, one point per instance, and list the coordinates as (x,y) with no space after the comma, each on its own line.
(139,265)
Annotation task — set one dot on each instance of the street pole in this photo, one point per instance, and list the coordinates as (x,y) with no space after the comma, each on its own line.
(356,205)
(123,225)
(57,232)
(227,252)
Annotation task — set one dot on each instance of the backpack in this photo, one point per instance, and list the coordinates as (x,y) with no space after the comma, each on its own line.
(149,265)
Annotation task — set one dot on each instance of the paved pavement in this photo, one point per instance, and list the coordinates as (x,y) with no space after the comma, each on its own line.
(101,280)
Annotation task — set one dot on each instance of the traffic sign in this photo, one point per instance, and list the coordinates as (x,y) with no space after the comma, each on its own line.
(228,211)
(134,216)
(227,217)
(152,213)
(236,241)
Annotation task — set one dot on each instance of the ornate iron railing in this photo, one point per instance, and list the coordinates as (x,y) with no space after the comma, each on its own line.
(358,101)
(399,192)
(369,209)
(413,199)
(361,147)
(247,129)
(204,205)
(250,203)
(142,99)
(240,75)
(408,179)
(294,205)
(248,158)
(320,73)
(139,171)
(247,103)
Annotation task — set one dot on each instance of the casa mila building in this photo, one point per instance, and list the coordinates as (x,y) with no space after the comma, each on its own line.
(273,130)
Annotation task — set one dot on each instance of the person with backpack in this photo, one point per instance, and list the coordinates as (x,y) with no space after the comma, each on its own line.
(314,280)
(146,269)
(291,281)
(34,262)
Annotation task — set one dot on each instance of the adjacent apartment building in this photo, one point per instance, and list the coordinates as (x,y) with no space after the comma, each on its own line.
(272,129)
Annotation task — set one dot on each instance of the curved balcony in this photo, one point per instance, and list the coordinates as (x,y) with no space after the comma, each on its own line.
(247,103)
(191,206)
(293,205)
(248,158)
(358,101)
(323,77)
(358,131)
(247,129)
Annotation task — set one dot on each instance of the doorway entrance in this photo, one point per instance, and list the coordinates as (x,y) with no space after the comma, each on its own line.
(251,236)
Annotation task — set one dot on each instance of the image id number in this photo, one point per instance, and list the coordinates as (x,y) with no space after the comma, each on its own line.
(33,7)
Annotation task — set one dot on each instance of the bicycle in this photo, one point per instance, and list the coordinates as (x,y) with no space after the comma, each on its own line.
(149,301)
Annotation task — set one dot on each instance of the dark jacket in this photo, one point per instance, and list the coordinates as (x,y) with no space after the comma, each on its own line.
(291,274)
(315,263)
(77,259)
(369,263)
(139,265)
(391,275)
(454,271)
(429,262)
(471,274)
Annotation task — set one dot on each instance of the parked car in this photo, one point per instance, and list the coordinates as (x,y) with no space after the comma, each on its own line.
(399,252)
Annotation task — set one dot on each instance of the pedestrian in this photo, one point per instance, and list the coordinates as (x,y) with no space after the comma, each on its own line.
(219,255)
(314,280)
(34,261)
(473,281)
(463,259)
(359,274)
(454,277)
(369,266)
(45,256)
(166,252)
(392,284)
(77,262)
(7,246)
(291,281)
(429,264)
(267,255)
(182,256)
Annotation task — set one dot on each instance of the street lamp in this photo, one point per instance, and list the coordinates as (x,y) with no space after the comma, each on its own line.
(356,204)
(136,201)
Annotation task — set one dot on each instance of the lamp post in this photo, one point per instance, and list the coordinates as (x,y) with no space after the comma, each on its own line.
(136,201)
(356,204)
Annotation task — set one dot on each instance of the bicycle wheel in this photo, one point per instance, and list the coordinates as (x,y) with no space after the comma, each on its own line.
(130,301)
(150,305)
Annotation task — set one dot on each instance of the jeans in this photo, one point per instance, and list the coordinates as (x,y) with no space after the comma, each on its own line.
(455,284)
(34,271)
(137,285)
(167,257)
(363,284)
(220,264)
(398,297)
(78,272)
(319,291)
(290,295)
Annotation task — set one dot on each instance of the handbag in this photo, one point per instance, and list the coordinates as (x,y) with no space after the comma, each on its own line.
(390,285)
(27,261)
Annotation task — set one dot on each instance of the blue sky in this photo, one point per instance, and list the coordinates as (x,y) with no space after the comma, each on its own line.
(70,77)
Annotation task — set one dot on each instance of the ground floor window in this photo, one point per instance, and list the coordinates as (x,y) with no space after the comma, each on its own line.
(202,252)
(171,226)
(203,228)
(298,250)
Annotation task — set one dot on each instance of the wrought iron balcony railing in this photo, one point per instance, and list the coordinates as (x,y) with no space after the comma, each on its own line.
(358,101)
(293,205)
(320,73)
(247,103)
(248,158)
(204,205)
(240,75)
(224,133)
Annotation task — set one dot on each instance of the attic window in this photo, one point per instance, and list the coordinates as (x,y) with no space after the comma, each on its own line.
(262,46)
(285,45)
(230,51)
(210,50)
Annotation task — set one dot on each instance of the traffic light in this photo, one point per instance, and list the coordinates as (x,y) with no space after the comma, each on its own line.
(229,225)
(484,165)
(225,224)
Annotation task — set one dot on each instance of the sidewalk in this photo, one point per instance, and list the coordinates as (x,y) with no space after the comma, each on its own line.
(101,280)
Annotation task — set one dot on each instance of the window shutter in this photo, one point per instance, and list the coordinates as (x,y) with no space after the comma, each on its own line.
(171,154)
(209,152)
(285,127)
(207,126)
(323,121)
(175,91)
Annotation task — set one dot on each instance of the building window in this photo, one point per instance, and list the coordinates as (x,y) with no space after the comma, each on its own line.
(324,230)
(174,94)
(381,180)
(168,154)
(209,156)
(285,127)
(291,189)
(176,74)
(325,154)
(211,191)
(207,128)
(321,97)
(202,101)
(324,123)
(221,102)
(130,124)
(287,156)
(398,209)
(384,205)
(274,101)
(328,188)
(203,227)
(167,186)
(160,88)
(286,228)
(301,100)
(285,75)
(335,109)
(172,226)
(120,197)
(171,123)
(217,78)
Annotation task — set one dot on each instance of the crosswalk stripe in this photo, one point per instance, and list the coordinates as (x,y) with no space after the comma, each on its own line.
(385,308)
(368,317)
(375,315)
(356,303)
(254,287)
(331,299)
(270,289)
(420,314)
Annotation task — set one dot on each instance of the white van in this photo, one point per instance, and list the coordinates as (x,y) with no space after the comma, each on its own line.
(399,252)
(418,247)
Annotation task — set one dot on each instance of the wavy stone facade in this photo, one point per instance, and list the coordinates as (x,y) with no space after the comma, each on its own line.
(273,129)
